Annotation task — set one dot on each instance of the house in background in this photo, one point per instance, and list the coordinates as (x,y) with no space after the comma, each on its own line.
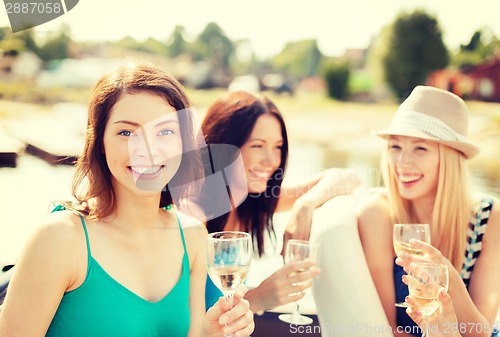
(486,81)
(25,65)
(452,80)
(480,82)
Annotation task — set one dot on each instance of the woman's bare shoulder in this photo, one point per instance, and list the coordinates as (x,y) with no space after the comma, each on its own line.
(51,246)
(59,227)
(374,202)
(194,230)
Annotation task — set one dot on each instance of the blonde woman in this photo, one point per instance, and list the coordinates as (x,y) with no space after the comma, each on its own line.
(425,172)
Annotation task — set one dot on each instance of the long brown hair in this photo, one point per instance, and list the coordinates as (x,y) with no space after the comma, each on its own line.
(230,120)
(92,177)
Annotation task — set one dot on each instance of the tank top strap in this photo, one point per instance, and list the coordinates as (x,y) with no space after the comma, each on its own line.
(61,207)
(169,208)
(182,233)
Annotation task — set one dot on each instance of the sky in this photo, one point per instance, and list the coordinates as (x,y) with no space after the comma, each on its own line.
(270,24)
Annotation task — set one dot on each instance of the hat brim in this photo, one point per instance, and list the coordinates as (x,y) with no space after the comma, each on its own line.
(469,150)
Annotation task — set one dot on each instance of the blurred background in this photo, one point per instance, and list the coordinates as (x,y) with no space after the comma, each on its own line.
(336,71)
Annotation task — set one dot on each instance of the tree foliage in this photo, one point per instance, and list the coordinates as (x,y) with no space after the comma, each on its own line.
(150,45)
(214,46)
(416,48)
(337,80)
(299,59)
(482,45)
(177,45)
(56,48)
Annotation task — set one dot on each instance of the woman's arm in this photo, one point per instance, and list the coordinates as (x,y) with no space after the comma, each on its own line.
(303,198)
(284,286)
(196,241)
(375,231)
(483,286)
(318,189)
(47,267)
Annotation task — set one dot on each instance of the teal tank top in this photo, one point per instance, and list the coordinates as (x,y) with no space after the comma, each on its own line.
(102,307)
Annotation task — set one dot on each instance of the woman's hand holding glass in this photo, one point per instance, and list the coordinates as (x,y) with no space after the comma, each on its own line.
(428,254)
(441,320)
(228,258)
(299,250)
(284,286)
(401,236)
(238,321)
(425,281)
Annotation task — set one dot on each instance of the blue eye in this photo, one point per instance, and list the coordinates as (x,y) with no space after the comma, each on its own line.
(125,133)
(166,132)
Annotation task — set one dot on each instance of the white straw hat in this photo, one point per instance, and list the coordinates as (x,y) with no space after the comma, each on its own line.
(434,114)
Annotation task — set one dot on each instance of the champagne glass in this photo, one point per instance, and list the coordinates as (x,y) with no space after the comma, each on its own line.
(299,250)
(402,233)
(425,281)
(228,258)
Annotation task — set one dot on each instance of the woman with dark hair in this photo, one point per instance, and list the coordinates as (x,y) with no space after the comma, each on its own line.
(120,261)
(254,124)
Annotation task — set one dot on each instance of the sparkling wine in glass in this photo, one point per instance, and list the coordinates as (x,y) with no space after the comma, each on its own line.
(299,250)
(425,281)
(402,233)
(228,259)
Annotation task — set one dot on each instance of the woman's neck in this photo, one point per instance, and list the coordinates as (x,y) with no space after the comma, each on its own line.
(134,212)
(423,210)
(233,223)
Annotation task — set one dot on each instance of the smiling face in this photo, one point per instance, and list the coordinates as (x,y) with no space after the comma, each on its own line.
(414,163)
(262,152)
(142,143)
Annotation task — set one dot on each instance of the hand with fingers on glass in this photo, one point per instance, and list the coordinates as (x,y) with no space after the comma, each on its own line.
(285,286)
(430,254)
(441,320)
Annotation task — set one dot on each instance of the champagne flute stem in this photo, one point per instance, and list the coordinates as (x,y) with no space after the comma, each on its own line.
(296,311)
(228,295)
(425,332)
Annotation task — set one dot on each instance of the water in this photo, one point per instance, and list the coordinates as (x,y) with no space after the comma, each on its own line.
(25,194)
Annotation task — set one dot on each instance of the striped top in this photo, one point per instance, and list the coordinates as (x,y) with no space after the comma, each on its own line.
(475,232)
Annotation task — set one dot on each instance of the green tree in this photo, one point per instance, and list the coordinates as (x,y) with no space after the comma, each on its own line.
(57,47)
(177,45)
(150,45)
(483,44)
(29,40)
(337,80)
(214,46)
(416,49)
(299,59)
(216,51)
